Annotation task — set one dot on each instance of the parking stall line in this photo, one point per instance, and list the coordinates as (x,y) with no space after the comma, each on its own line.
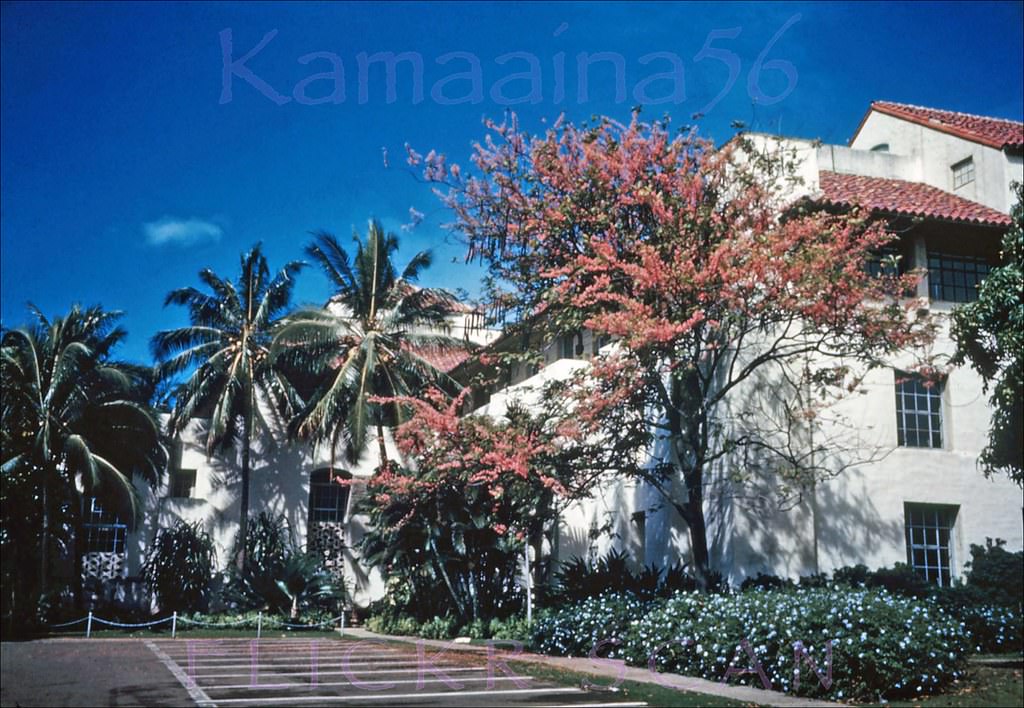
(276,686)
(367,672)
(194,691)
(276,672)
(405,696)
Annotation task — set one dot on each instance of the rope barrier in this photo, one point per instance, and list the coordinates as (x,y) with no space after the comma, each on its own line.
(214,624)
(174,619)
(130,625)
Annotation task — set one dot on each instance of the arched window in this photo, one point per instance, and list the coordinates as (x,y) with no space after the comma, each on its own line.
(328,500)
(881,147)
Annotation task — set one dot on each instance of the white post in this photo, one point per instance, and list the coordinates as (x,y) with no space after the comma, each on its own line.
(88,626)
(341,625)
(259,624)
(174,624)
(529,588)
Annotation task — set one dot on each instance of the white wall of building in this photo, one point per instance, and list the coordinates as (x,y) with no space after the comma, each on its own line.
(935,153)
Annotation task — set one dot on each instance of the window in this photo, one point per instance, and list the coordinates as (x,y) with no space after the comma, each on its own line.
(886,261)
(918,411)
(963,173)
(881,147)
(955,278)
(104,531)
(567,348)
(183,483)
(929,551)
(328,500)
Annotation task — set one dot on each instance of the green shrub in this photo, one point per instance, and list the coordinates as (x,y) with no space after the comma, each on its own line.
(576,629)
(512,628)
(883,645)
(996,576)
(852,575)
(179,567)
(278,577)
(765,582)
(437,628)
(901,579)
(580,578)
(988,628)
(815,580)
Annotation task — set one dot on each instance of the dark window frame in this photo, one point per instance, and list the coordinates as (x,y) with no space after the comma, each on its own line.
(328,500)
(929,530)
(954,277)
(919,416)
(182,480)
(104,530)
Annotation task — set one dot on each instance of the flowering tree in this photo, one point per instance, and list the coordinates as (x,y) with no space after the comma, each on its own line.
(474,492)
(701,266)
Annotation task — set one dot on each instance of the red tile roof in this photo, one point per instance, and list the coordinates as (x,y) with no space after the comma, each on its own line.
(896,196)
(999,133)
(442,359)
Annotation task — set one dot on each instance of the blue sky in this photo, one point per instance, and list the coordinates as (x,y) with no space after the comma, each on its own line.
(124,170)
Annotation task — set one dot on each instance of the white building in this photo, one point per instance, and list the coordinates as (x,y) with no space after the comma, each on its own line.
(944,178)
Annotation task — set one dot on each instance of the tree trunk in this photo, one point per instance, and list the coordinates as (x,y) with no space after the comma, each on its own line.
(691,427)
(243,523)
(697,526)
(79,547)
(381,447)
(44,540)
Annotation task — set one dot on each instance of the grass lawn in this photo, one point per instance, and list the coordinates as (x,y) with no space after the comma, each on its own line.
(984,686)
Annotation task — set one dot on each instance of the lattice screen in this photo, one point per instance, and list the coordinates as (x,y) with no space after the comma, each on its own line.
(103,566)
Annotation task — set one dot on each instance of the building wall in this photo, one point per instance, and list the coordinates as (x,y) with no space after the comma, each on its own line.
(280,483)
(859,515)
(936,152)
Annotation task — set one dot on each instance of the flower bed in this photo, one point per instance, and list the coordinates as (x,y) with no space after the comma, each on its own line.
(878,645)
(577,629)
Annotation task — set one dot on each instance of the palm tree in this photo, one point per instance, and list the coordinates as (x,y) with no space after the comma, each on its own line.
(367,344)
(227,348)
(74,423)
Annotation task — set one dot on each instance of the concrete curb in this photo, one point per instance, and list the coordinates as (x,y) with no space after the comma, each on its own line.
(609,669)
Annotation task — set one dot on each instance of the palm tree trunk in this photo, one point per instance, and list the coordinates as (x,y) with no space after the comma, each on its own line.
(243,522)
(44,540)
(380,445)
(79,550)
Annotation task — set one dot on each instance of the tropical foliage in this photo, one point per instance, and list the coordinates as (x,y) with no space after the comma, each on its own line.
(459,515)
(990,336)
(691,257)
(75,424)
(473,494)
(580,578)
(369,344)
(278,576)
(179,567)
(225,351)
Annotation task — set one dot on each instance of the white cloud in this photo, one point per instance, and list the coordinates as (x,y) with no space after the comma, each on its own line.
(181,232)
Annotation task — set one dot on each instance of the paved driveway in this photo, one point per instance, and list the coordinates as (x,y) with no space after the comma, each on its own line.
(294,672)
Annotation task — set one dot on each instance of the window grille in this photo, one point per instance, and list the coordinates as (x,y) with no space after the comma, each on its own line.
(929,551)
